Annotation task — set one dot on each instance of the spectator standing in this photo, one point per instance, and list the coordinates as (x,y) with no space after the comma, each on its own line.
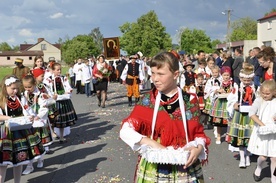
(237,65)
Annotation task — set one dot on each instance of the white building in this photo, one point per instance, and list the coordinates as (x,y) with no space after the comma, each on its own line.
(267,30)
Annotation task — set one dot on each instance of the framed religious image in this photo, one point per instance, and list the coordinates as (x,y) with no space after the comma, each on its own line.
(111,48)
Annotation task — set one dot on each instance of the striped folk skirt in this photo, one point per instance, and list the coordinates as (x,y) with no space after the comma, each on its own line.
(219,112)
(162,173)
(239,129)
(19,147)
(67,114)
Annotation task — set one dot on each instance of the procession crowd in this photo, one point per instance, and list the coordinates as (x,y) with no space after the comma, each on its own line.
(177,97)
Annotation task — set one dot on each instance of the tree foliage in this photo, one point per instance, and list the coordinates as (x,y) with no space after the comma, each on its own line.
(97,37)
(80,46)
(271,11)
(215,42)
(194,40)
(4,46)
(244,29)
(146,35)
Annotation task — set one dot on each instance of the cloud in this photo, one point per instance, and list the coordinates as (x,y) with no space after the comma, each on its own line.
(56,15)
(25,32)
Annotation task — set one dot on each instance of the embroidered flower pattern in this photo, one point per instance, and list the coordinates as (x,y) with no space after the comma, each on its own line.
(21,156)
(36,150)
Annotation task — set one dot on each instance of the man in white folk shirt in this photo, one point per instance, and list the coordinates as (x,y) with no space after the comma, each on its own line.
(78,71)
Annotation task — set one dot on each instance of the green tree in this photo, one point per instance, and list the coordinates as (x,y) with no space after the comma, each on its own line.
(194,40)
(4,46)
(244,29)
(215,42)
(146,35)
(97,37)
(80,46)
(271,11)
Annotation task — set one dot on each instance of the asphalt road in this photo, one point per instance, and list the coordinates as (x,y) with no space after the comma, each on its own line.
(94,153)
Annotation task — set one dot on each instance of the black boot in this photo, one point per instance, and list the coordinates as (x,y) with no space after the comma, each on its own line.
(129,101)
(137,100)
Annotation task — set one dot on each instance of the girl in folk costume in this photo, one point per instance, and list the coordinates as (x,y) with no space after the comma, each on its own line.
(39,63)
(67,115)
(219,111)
(159,121)
(240,126)
(20,146)
(38,74)
(38,102)
(210,65)
(211,85)
(263,137)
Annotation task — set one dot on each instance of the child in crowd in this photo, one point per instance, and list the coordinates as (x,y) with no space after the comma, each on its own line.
(240,126)
(189,76)
(38,102)
(200,95)
(26,144)
(201,69)
(208,69)
(264,115)
(212,84)
(38,62)
(172,108)
(67,115)
(219,111)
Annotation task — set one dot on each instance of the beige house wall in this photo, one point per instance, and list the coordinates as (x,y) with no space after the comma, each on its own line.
(267,32)
(50,51)
(28,60)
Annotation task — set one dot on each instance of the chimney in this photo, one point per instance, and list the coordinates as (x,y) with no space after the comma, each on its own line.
(40,39)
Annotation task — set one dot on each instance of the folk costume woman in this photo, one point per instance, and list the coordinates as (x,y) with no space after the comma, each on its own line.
(157,122)
(38,102)
(219,111)
(240,126)
(67,115)
(18,147)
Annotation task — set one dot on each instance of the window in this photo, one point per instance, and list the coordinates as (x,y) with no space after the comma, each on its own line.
(43,47)
(30,58)
(267,43)
(8,58)
(269,25)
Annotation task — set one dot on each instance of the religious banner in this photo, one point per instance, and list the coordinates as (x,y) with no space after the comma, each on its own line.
(111,48)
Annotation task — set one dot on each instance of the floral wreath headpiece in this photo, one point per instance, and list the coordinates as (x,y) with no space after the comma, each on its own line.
(10,81)
(242,75)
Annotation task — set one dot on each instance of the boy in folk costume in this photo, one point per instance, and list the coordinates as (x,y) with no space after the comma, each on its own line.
(132,76)
(190,77)
(240,126)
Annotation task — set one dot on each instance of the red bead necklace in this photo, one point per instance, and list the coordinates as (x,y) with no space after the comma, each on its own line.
(169,101)
(13,104)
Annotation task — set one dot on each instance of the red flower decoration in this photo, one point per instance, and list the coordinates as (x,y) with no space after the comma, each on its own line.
(21,156)
(26,107)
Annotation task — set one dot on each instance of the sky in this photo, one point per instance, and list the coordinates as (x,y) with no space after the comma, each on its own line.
(25,21)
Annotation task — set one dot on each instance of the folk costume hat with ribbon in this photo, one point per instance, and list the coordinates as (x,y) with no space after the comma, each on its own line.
(19,60)
(133,57)
(188,63)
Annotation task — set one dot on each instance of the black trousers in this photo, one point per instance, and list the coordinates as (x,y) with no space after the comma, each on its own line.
(78,86)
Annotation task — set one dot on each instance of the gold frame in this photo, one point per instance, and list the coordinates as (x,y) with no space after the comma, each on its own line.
(111,48)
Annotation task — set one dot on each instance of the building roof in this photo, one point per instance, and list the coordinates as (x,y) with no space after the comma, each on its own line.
(21,53)
(270,15)
(25,47)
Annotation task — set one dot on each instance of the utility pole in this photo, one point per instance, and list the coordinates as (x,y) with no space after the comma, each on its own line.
(228,27)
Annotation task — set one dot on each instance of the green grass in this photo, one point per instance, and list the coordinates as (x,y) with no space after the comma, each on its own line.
(8,70)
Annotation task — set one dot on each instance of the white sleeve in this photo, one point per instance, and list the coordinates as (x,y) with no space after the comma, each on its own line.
(124,73)
(255,107)
(130,136)
(232,99)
